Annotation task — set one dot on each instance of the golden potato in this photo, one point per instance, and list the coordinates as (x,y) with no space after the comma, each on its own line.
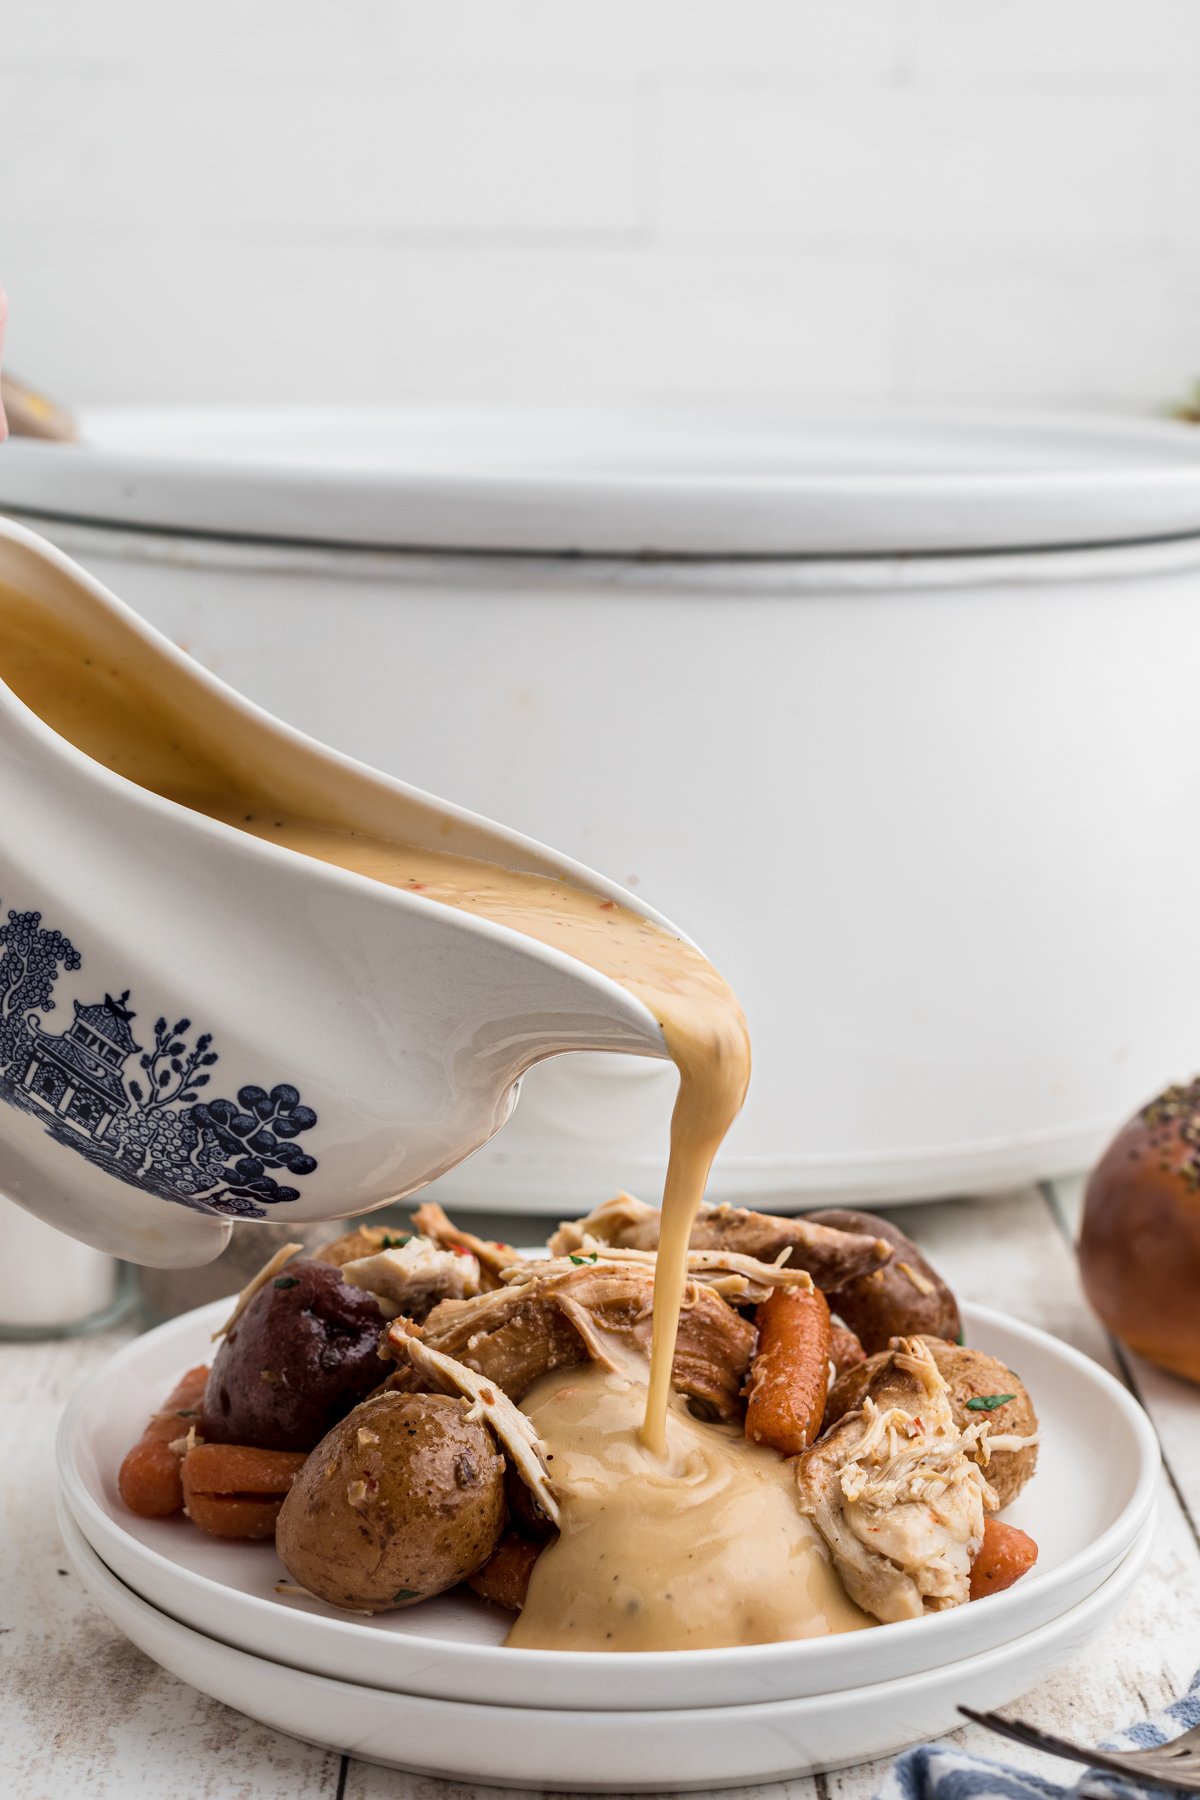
(969,1375)
(972,1375)
(905,1298)
(403,1499)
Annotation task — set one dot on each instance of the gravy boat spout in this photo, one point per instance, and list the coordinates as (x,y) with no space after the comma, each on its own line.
(198,1025)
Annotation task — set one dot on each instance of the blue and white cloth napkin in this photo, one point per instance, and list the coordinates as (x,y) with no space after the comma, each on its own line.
(944,1772)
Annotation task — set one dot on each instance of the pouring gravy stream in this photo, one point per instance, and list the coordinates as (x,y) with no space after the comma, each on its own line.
(701,1020)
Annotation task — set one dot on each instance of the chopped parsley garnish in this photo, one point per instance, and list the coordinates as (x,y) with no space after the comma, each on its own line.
(960,1340)
(391,1241)
(286,1281)
(591,1257)
(988,1402)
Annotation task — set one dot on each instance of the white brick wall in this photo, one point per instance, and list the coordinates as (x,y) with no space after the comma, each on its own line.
(498,199)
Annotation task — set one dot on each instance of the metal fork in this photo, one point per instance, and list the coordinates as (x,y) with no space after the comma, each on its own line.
(1176,1764)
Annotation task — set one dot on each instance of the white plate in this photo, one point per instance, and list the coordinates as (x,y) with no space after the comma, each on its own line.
(628,1752)
(1093,1490)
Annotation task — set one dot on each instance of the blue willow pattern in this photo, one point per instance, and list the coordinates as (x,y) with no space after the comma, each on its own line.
(155,1129)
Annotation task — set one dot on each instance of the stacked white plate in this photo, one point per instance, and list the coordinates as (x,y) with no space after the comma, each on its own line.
(433,1689)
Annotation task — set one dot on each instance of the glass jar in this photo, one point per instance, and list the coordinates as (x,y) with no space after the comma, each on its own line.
(51,1286)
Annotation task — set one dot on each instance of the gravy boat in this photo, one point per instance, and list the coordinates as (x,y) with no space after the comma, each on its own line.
(197,1025)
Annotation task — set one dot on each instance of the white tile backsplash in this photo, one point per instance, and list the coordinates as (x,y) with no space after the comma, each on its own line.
(1155,43)
(942,199)
(1068,324)
(858,42)
(913,164)
(335,156)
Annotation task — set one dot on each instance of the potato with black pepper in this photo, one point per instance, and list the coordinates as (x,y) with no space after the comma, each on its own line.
(981,1387)
(402,1500)
(905,1298)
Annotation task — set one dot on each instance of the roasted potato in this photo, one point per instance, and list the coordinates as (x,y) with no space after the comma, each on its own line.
(906,1298)
(403,1499)
(302,1353)
(969,1375)
(504,1578)
(845,1351)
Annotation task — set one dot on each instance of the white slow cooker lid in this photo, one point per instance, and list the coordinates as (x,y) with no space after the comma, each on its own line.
(648,482)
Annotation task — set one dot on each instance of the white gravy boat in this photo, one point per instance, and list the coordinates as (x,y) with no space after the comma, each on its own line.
(197,1025)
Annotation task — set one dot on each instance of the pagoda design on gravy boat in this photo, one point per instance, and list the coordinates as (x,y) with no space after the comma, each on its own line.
(129,1096)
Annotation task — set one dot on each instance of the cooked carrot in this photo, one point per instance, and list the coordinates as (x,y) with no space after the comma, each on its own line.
(149,1480)
(236,1490)
(1005,1554)
(785,1395)
(241,1469)
(229,1516)
(504,1577)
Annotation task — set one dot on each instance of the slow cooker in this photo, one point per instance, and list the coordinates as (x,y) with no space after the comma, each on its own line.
(893,715)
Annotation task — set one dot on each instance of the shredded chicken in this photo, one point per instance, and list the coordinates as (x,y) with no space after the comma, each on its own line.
(895,1495)
(596,1311)
(489,1403)
(493,1258)
(413,1277)
(742,1280)
(830,1256)
(364,1240)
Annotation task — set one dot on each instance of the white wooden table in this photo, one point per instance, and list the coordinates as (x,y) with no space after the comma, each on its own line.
(85,1716)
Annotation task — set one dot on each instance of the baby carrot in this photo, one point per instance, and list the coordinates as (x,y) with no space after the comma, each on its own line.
(149,1480)
(236,1490)
(1005,1554)
(785,1395)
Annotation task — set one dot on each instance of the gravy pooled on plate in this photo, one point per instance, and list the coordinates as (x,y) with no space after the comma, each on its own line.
(699,1547)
